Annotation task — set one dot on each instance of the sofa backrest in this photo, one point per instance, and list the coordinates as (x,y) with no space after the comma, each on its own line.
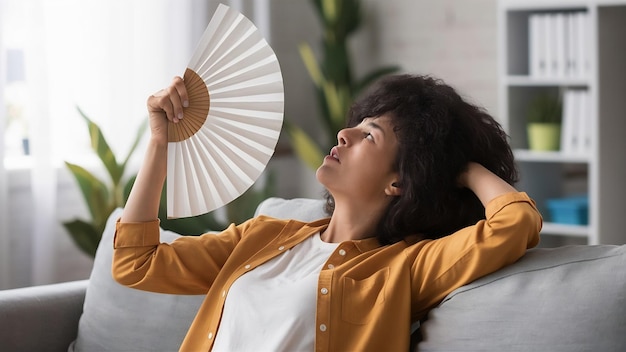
(570,298)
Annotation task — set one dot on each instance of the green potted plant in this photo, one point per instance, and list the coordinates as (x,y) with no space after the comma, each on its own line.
(544,123)
(333,77)
(103,197)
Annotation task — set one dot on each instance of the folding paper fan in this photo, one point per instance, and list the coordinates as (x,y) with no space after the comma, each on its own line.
(230,128)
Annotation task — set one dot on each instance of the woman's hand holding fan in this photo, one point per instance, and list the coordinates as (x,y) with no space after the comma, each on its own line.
(230,128)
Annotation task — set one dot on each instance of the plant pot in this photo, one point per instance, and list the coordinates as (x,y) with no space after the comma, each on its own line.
(544,136)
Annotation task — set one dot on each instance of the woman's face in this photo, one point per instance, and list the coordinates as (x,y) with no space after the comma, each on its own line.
(361,166)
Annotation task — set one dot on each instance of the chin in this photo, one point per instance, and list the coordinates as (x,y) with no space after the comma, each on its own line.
(322,175)
(318,173)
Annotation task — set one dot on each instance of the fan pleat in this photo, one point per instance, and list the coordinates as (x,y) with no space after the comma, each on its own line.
(262,139)
(216,58)
(267,121)
(195,190)
(252,150)
(240,60)
(228,173)
(177,182)
(240,34)
(253,89)
(264,106)
(207,170)
(215,33)
(235,114)
(253,62)
(238,167)
(233,54)
(261,78)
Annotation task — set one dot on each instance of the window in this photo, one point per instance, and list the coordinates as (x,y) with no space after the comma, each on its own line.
(105,57)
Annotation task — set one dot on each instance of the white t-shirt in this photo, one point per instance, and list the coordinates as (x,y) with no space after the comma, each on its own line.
(272,308)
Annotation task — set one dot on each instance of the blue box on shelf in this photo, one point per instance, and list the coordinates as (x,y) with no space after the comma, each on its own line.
(569,210)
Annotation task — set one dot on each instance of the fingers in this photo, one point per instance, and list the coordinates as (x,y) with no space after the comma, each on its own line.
(178,98)
(170,100)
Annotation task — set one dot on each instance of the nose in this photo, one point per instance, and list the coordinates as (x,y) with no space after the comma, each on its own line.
(343,136)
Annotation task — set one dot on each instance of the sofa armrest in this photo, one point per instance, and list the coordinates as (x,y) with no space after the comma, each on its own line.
(42,317)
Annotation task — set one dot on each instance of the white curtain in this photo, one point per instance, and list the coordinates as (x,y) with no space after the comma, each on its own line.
(104,56)
(4,239)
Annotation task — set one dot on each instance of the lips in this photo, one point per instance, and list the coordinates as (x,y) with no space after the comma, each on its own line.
(334,153)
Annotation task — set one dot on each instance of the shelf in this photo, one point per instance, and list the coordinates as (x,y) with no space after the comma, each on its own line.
(550,228)
(529,81)
(600,170)
(549,156)
(545,5)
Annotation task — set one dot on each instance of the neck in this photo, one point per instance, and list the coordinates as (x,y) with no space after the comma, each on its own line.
(352,222)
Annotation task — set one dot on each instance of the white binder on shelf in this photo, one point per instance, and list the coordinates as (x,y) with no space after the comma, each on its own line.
(569,123)
(550,45)
(536,36)
(584,122)
(581,20)
(560,61)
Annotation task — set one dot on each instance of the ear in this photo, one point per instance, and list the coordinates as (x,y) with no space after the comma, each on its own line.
(393,189)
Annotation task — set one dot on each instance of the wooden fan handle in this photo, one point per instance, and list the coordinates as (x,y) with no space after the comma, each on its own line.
(196,113)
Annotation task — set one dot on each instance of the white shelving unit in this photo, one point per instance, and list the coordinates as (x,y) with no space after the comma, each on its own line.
(601,173)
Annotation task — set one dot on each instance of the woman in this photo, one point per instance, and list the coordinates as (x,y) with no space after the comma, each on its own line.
(421,201)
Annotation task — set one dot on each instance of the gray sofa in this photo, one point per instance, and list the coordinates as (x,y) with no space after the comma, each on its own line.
(563,299)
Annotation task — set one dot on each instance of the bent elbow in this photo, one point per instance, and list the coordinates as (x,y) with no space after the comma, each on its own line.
(124,270)
(531,222)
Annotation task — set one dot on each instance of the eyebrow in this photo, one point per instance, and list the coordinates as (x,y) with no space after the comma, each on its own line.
(371,123)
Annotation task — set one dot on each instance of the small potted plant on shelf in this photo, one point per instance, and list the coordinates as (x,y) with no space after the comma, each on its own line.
(544,123)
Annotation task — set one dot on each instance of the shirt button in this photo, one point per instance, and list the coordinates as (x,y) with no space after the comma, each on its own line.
(324,291)
(323,327)
(247,266)
(330,266)
(210,335)
(342,252)
(281,248)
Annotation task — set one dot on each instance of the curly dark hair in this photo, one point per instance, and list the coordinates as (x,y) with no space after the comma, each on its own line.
(438,134)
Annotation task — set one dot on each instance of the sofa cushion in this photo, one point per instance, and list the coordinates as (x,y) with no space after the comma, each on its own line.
(569,298)
(118,318)
(303,209)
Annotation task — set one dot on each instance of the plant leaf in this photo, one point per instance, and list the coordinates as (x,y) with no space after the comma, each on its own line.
(333,99)
(306,53)
(329,10)
(191,226)
(85,235)
(101,147)
(94,192)
(140,132)
(304,146)
(244,206)
(127,187)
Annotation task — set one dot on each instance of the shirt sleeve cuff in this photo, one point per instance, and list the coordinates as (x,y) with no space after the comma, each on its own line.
(499,202)
(136,234)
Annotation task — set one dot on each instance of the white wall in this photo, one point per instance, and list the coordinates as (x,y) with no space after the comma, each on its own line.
(452,39)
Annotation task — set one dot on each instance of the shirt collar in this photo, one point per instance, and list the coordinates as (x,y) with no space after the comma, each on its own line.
(364,245)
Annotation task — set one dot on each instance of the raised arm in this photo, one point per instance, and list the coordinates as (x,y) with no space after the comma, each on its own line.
(163,106)
(511,226)
(484,183)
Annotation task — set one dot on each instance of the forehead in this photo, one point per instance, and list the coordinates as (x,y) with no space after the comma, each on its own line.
(385,121)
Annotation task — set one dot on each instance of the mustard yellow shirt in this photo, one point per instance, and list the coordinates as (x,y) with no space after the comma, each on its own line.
(368,294)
